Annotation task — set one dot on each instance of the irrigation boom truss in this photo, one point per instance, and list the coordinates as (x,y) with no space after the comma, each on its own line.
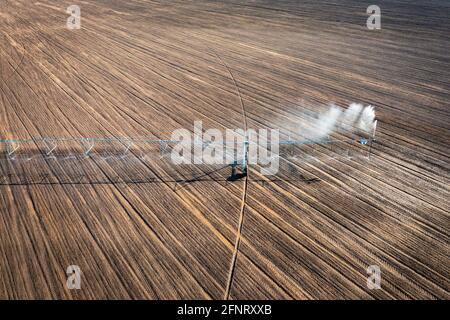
(88,145)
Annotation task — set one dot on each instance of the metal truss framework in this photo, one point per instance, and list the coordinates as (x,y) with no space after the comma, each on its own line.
(49,145)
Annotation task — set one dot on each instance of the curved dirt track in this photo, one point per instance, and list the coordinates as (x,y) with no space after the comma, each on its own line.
(144,68)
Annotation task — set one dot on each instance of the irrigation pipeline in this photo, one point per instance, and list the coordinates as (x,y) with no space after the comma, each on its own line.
(152,140)
(51,145)
(90,139)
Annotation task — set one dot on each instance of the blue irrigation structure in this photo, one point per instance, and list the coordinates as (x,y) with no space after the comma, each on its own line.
(51,144)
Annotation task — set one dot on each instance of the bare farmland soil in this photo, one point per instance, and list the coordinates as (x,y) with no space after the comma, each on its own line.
(144,68)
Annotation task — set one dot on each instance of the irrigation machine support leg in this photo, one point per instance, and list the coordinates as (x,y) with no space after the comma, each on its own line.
(51,146)
(89,149)
(10,149)
(372,140)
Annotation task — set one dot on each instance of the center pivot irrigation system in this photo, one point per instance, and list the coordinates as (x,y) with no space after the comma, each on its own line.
(48,148)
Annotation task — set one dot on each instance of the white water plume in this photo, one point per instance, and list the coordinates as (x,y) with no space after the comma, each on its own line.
(325,124)
(351,116)
(367,120)
(355,119)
